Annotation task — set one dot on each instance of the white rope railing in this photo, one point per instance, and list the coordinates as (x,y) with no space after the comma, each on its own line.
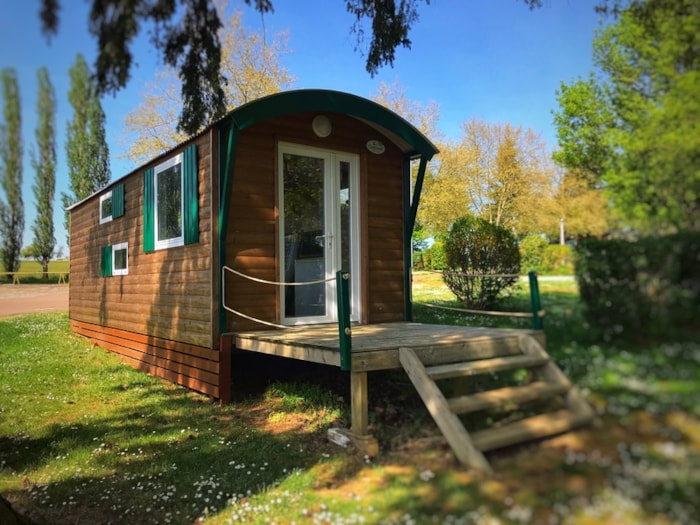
(254,319)
(480,275)
(536,315)
(527,315)
(236,312)
(264,281)
(343,304)
(277,283)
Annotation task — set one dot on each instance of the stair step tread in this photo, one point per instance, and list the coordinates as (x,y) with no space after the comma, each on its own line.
(529,428)
(515,394)
(483,366)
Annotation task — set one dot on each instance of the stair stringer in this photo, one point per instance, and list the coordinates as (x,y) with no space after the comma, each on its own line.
(469,448)
(448,422)
(551,373)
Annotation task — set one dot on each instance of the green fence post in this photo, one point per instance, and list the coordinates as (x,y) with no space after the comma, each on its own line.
(344,332)
(537,321)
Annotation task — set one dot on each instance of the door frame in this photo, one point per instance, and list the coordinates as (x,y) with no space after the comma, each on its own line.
(332,159)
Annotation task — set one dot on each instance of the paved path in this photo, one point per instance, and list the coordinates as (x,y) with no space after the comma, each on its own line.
(16,299)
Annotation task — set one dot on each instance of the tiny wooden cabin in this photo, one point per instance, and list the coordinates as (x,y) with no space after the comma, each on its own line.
(201,250)
(288,188)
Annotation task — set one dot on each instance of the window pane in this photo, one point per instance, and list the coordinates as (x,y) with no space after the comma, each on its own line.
(120,259)
(106,208)
(344,175)
(169,190)
(304,235)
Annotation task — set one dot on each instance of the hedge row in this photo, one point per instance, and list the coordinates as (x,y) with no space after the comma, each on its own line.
(649,288)
(546,259)
(535,254)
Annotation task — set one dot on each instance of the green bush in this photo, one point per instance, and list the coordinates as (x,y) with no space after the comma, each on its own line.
(434,257)
(641,289)
(532,252)
(550,259)
(478,254)
(558,259)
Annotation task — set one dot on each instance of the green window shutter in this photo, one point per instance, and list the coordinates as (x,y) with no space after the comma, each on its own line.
(190,182)
(117,201)
(106,261)
(149,233)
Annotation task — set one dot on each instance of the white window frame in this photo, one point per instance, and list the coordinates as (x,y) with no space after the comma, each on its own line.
(115,249)
(103,198)
(174,241)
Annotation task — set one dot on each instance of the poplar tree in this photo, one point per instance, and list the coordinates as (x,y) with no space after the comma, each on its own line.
(11,205)
(44,164)
(86,145)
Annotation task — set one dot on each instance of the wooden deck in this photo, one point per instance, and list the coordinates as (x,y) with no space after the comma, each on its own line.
(376,346)
(430,354)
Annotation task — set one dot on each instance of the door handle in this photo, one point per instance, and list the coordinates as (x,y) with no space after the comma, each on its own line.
(320,239)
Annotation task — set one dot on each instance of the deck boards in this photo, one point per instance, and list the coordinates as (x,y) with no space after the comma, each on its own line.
(375,346)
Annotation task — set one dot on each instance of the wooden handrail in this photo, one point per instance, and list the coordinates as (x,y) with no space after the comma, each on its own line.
(62,275)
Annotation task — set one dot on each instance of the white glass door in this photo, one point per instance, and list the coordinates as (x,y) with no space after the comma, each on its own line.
(318,226)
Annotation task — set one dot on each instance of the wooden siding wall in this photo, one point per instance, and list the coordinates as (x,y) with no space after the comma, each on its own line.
(187,365)
(385,266)
(251,244)
(159,317)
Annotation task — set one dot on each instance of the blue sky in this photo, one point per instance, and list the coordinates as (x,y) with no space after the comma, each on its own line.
(491,59)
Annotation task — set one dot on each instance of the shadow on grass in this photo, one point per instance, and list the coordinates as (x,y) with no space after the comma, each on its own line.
(144,452)
(152,453)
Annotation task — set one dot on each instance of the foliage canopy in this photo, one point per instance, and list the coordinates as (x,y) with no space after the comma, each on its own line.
(250,64)
(634,126)
(505,175)
(186,34)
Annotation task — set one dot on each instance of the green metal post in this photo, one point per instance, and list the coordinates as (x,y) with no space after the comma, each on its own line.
(226,166)
(344,332)
(537,321)
(407,234)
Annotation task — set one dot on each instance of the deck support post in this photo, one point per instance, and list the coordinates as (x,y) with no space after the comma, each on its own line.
(225,348)
(358,435)
(358,400)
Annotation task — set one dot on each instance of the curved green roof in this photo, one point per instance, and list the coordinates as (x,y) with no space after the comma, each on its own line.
(286,102)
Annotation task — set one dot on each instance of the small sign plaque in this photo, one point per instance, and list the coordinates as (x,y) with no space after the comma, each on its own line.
(376,147)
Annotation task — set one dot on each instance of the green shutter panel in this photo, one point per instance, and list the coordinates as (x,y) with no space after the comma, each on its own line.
(190,183)
(106,261)
(149,233)
(117,201)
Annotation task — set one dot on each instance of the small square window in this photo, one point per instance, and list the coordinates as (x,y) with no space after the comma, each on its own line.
(106,207)
(120,259)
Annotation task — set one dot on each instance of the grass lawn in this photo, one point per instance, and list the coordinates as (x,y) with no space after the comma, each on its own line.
(85,439)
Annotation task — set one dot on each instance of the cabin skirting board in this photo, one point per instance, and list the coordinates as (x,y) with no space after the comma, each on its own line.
(203,370)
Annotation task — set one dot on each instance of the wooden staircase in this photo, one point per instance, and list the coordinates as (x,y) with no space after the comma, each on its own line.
(550,384)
